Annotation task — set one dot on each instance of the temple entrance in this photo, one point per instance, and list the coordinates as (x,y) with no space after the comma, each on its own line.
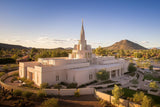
(113,73)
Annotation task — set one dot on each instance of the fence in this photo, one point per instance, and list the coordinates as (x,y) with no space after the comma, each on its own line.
(69,92)
(11,87)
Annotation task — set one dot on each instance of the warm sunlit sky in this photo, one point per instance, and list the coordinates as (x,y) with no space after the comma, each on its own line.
(57,23)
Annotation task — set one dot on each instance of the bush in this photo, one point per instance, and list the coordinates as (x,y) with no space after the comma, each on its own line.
(5,68)
(63,83)
(102,75)
(72,85)
(2,73)
(33,97)
(27,94)
(76,93)
(41,94)
(16,74)
(50,103)
(44,85)
(13,79)
(134,81)
(13,65)
(131,67)
(23,79)
(29,83)
(84,85)
(7,60)
(17,92)
(57,86)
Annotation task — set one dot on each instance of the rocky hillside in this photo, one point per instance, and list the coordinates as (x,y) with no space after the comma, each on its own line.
(10,46)
(125,45)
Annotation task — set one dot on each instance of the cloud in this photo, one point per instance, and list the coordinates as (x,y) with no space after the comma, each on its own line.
(144,42)
(50,42)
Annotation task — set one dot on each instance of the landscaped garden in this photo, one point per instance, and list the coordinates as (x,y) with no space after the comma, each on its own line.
(149,76)
(133,95)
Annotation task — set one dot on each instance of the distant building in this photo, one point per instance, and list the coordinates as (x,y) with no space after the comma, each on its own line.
(80,67)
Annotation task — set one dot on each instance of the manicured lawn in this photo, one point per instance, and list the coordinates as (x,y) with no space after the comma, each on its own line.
(128,92)
(150,77)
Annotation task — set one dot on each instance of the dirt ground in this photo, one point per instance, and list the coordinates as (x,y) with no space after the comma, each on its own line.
(82,101)
(67,101)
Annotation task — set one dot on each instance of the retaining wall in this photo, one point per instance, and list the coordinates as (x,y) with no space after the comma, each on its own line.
(109,98)
(69,92)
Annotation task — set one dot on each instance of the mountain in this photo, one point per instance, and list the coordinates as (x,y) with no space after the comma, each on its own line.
(125,45)
(10,46)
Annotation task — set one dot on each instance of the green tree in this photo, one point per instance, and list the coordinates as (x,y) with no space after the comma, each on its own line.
(151,67)
(147,101)
(50,103)
(14,56)
(131,67)
(138,97)
(117,93)
(102,75)
(153,85)
(100,51)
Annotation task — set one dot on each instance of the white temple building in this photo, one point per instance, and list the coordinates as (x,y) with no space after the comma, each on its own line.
(80,67)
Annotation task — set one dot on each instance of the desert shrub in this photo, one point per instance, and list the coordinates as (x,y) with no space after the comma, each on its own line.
(63,83)
(50,103)
(22,79)
(13,65)
(34,97)
(17,92)
(72,85)
(2,73)
(84,85)
(76,93)
(27,94)
(7,60)
(41,94)
(44,85)
(29,83)
(16,74)
(9,97)
(13,79)
(5,68)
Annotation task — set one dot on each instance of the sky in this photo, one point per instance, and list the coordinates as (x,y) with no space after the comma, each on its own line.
(57,23)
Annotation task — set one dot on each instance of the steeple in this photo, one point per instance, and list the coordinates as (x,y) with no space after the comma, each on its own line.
(82,38)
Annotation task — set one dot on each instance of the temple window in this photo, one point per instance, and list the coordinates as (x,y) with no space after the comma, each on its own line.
(90,76)
(66,77)
(73,78)
(86,55)
(57,78)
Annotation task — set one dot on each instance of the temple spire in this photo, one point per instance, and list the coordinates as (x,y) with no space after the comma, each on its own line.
(82,38)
